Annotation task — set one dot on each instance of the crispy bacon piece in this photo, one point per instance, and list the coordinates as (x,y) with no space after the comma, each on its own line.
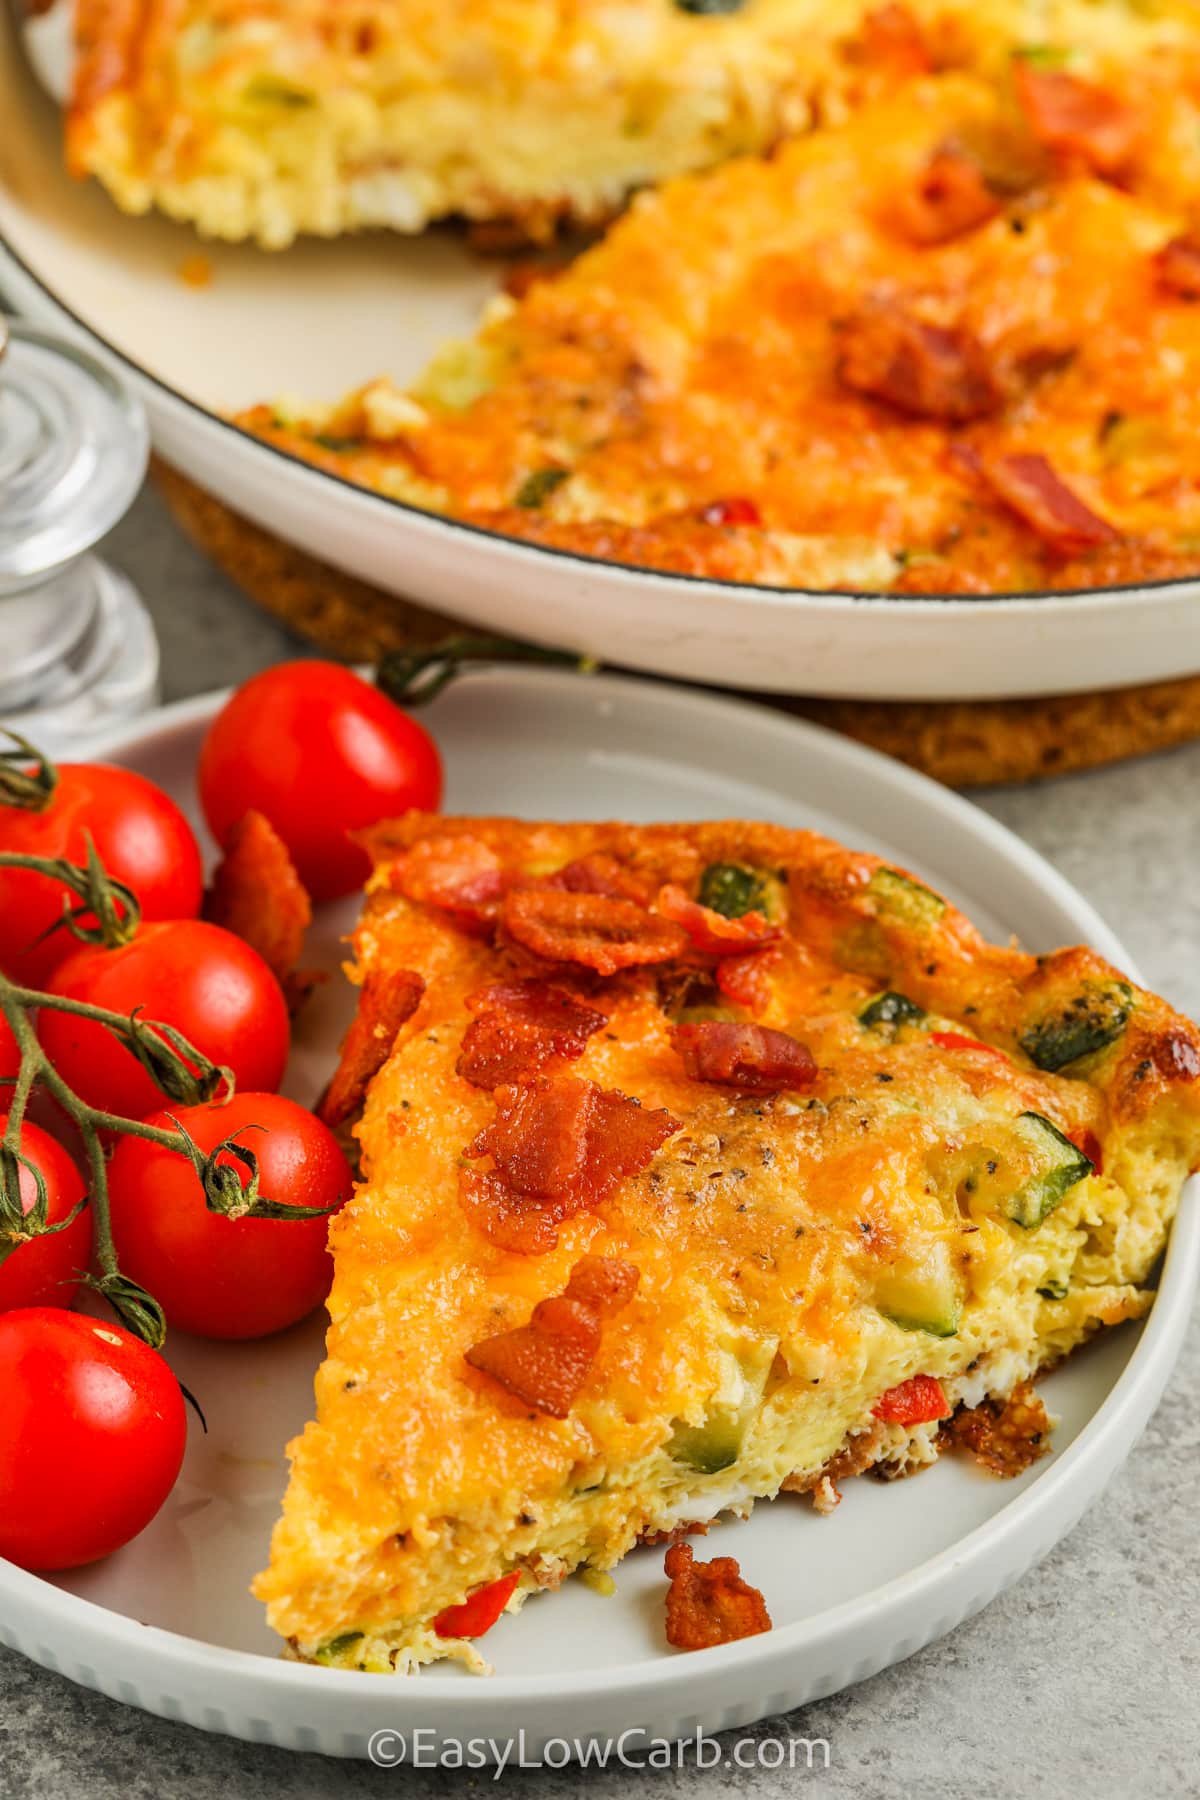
(746,979)
(711,931)
(1077,120)
(949,199)
(521,1026)
(545,1363)
(892,40)
(1175,1056)
(591,929)
(386,1002)
(750,1057)
(1006,1436)
(709,1603)
(516,1222)
(257,894)
(927,371)
(566,1142)
(1029,485)
(599,874)
(1177,267)
(461,875)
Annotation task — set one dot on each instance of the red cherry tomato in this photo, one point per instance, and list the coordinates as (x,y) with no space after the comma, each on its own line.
(140,835)
(92,1435)
(10,1056)
(202,980)
(479,1611)
(45,1271)
(321,753)
(222,1277)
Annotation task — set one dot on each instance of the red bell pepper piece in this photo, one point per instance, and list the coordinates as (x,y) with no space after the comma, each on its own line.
(913,1402)
(479,1611)
(954,1040)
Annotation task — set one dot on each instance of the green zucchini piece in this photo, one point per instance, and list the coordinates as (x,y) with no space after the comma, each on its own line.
(1054,1289)
(537,488)
(900,897)
(890,1009)
(337,1646)
(732,890)
(717,1443)
(922,1295)
(1092,1018)
(1063,1164)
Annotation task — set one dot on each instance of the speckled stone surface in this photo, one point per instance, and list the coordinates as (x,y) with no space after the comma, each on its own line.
(1082,1681)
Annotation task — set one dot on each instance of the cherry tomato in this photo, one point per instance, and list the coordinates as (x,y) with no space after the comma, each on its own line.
(197,977)
(10,1056)
(321,753)
(140,835)
(92,1435)
(223,1277)
(45,1271)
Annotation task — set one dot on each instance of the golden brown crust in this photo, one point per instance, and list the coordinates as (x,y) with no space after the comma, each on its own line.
(1005,1437)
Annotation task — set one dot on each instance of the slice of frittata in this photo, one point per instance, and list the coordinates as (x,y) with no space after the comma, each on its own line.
(700,1162)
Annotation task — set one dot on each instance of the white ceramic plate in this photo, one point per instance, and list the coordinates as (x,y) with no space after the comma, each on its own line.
(326,316)
(168,1624)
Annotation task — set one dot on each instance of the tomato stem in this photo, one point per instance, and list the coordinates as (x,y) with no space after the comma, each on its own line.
(108,912)
(414,677)
(30,789)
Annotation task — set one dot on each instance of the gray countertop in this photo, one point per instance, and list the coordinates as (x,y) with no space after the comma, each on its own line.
(1083,1679)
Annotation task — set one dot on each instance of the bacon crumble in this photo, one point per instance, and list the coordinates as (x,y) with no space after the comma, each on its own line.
(709,1603)
(545,1363)
(1005,1436)
(257,894)
(950,198)
(928,371)
(594,930)
(520,1027)
(750,1057)
(1075,119)
(710,931)
(598,874)
(460,875)
(1177,267)
(1030,485)
(387,1001)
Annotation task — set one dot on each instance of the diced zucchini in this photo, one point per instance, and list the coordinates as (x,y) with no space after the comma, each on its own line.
(890,1009)
(716,1443)
(1092,1018)
(1053,1288)
(1062,1164)
(733,889)
(900,897)
(537,487)
(337,1646)
(922,1294)
(272,90)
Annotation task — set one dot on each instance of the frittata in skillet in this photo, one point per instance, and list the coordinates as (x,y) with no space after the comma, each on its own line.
(267,118)
(951,345)
(700,1162)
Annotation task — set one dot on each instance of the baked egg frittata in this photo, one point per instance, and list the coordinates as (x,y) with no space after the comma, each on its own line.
(269,118)
(700,1163)
(951,344)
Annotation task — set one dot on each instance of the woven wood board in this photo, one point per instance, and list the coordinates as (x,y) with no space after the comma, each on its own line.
(964,744)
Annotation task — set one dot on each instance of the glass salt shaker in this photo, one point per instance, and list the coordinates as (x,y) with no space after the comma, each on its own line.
(78,656)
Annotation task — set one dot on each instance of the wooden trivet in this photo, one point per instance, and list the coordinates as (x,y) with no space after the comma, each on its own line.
(962,743)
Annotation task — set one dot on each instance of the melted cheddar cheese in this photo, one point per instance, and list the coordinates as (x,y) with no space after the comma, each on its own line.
(941,1159)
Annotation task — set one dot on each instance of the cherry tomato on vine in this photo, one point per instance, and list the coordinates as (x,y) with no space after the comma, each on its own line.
(10,1055)
(45,1271)
(141,837)
(197,977)
(215,1275)
(321,753)
(92,1435)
